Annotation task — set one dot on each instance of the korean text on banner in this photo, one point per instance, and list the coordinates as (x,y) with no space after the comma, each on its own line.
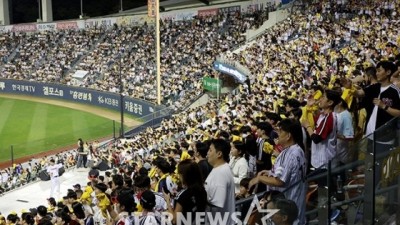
(151,8)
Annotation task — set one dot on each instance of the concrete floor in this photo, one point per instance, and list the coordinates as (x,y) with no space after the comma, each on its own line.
(35,194)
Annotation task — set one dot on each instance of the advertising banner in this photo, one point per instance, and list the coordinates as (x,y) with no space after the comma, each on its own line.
(168,16)
(207,12)
(102,22)
(230,70)
(136,20)
(46,26)
(67,25)
(212,84)
(7,28)
(230,10)
(186,15)
(135,107)
(24,28)
(151,8)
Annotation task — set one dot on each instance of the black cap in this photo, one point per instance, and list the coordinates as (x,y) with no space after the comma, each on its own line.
(148,199)
(77,186)
(33,211)
(93,174)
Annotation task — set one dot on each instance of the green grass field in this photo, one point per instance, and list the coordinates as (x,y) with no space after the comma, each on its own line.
(32,127)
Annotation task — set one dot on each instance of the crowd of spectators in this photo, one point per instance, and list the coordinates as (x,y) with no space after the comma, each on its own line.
(298,113)
(188,49)
(22,174)
(45,56)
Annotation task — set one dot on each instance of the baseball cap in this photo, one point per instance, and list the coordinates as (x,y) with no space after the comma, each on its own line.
(93,174)
(33,211)
(148,198)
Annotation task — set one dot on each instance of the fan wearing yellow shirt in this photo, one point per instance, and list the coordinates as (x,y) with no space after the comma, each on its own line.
(185,154)
(311,108)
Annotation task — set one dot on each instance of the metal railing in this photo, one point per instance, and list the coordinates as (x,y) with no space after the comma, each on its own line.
(152,120)
(368,190)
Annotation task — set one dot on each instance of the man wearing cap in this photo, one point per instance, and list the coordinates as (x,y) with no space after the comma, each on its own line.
(77,187)
(142,183)
(149,215)
(52,170)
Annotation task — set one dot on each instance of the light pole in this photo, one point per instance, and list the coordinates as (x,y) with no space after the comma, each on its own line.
(81,16)
(158,52)
(122,8)
(40,11)
(121,89)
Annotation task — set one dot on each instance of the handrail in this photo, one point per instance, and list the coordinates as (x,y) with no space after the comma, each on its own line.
(362,197)
(309,177)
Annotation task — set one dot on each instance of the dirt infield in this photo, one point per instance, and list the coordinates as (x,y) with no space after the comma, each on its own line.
(87,108)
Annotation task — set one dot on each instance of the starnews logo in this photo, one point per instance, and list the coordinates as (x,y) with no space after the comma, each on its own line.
(216,218)
(265,213)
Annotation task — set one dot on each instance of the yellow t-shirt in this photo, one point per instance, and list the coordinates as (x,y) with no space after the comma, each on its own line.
(185,155)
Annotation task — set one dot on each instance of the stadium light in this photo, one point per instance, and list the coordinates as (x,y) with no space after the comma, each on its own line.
(81,16)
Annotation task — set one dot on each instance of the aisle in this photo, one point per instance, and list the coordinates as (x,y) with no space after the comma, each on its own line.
(35,194)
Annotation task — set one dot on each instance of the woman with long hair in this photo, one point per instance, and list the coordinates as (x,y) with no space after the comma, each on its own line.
(193,197)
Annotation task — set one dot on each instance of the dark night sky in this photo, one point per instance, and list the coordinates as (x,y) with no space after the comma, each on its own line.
(24,11)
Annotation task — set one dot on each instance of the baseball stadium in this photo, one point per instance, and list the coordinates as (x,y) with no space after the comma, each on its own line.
(127,112)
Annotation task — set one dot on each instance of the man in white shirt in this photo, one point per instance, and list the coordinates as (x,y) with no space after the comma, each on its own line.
(52,170)
(219,184)
(4,177)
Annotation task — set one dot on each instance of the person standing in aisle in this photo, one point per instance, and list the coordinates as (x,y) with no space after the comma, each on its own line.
(52,170)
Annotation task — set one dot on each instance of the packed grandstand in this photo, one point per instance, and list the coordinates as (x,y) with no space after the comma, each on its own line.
(301,102)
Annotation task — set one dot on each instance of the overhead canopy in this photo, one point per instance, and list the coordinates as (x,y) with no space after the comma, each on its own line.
(80,74)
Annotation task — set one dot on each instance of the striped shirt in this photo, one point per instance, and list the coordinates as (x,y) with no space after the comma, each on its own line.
(290,167)
(325,149)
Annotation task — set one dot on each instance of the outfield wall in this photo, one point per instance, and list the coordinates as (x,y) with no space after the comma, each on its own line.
(132,106)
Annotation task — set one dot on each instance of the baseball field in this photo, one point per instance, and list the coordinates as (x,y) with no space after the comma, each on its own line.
(35,126)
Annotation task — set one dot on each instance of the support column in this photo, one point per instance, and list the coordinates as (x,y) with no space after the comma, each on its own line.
(4,12)
(47,11)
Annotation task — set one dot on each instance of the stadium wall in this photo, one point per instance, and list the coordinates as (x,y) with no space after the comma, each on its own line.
(274,18)
(137,20)
(131,106)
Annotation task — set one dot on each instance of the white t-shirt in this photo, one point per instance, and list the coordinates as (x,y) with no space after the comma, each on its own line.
(239,168)
(220,189)
(53,170)
(372,120)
